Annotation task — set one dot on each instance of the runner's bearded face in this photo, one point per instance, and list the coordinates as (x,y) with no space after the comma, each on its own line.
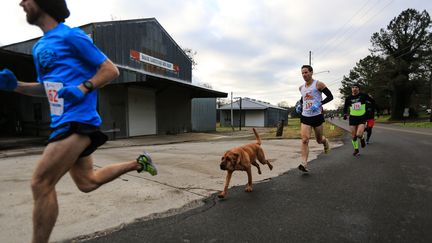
(307,75)
(32,10)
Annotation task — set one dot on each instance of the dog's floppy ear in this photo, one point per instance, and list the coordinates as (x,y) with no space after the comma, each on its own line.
(236,157)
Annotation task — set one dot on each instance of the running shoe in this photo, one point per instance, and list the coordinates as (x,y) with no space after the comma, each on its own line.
(146,164)
(303,168)
(326,146)
(356,152)
(363,143)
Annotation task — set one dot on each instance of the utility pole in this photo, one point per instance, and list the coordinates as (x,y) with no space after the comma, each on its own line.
(240,115)
(239,100)
(310,57)
(232,113)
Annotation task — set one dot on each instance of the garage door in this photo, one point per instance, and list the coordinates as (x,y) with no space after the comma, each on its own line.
(141,112)
(254,118)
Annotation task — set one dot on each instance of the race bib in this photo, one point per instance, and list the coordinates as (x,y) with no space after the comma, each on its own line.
(56,103)
(356,106)
(307,106)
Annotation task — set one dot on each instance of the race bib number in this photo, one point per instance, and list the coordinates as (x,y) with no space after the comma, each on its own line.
(356,106)
(56,103)
(307,107)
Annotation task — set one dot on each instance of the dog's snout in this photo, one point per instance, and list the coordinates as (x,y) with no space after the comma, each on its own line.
(222,166)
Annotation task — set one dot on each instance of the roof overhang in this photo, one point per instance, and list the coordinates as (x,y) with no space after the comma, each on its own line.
(20,64)
(160,81)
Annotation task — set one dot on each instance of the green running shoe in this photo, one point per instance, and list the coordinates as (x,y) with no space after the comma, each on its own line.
(356,152)
(326,146)
(146,164)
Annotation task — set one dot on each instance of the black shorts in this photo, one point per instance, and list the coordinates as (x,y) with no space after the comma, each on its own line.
(313,121)
(65,130)
(357,120)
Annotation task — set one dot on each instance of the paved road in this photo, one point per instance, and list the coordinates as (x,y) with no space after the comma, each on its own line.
(384,195)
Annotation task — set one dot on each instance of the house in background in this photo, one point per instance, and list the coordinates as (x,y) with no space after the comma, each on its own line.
(252,113)
(153,95)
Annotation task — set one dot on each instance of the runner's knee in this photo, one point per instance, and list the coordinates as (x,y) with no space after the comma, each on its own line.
(85,183)
(305,141)
(87,187)
(320,140)
(41,186)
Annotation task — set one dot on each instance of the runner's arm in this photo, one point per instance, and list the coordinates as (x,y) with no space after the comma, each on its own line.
(323,88)
(106,73)
(31,89)
(329,96)
(346,105)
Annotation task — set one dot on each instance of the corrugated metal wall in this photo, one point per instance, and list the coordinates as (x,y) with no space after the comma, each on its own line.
(225,118)
(204,114)
(116,39)
(112,109)
(173,111)
(274,116)
(145,36)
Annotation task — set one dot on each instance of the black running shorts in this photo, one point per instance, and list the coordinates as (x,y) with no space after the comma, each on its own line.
(65,130)
(313,121)
(357,120)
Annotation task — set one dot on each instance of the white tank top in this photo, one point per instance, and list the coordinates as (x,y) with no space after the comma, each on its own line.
(311,95)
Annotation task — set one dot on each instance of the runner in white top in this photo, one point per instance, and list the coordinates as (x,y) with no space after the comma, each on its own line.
(311,113)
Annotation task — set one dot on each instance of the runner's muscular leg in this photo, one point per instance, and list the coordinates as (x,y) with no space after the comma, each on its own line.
(353,132)
(305,133)
(87,179)
(320,138)
(360,130)
(57,158)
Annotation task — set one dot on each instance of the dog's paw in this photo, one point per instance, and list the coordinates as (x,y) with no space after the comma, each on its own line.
(270,166)
(248,189)
(221,195)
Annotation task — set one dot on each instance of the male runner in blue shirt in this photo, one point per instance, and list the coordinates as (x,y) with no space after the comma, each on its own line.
(70,69)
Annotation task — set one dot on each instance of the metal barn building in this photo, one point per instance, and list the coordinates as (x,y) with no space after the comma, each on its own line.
(252,113)
(152,95)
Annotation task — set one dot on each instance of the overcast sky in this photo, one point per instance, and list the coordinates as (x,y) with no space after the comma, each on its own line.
(254,48)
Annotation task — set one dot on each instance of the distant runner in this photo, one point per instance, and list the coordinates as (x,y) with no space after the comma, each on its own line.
(356,103)
(371,107)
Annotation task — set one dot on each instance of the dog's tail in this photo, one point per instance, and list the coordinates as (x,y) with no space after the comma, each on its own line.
(258,139)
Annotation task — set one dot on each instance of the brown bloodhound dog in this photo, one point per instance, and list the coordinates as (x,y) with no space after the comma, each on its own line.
(242,158)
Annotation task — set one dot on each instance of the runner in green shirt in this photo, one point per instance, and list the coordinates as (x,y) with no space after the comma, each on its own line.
(355,108)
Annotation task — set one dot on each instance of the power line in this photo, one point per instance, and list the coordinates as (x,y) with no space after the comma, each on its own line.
(345,37)
(326,44)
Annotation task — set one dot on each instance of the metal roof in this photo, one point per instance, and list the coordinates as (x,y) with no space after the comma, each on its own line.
(159,81)
(20,64)
(250,104)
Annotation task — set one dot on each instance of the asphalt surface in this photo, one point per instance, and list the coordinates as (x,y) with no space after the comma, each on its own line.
(383,195)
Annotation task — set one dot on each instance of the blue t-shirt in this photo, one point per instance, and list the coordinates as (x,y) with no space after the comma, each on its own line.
(63,57)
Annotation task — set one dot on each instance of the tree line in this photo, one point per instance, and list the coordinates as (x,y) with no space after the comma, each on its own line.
(398,71)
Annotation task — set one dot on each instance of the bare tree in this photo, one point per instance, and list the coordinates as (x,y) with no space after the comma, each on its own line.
(191,54)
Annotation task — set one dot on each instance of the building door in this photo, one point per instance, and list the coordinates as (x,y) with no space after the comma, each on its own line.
(141,112)
(254,118)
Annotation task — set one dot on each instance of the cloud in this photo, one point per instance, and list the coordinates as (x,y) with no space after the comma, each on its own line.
(254,48)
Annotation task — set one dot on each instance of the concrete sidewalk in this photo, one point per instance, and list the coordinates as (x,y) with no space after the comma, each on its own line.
(12,147)
(188,173)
